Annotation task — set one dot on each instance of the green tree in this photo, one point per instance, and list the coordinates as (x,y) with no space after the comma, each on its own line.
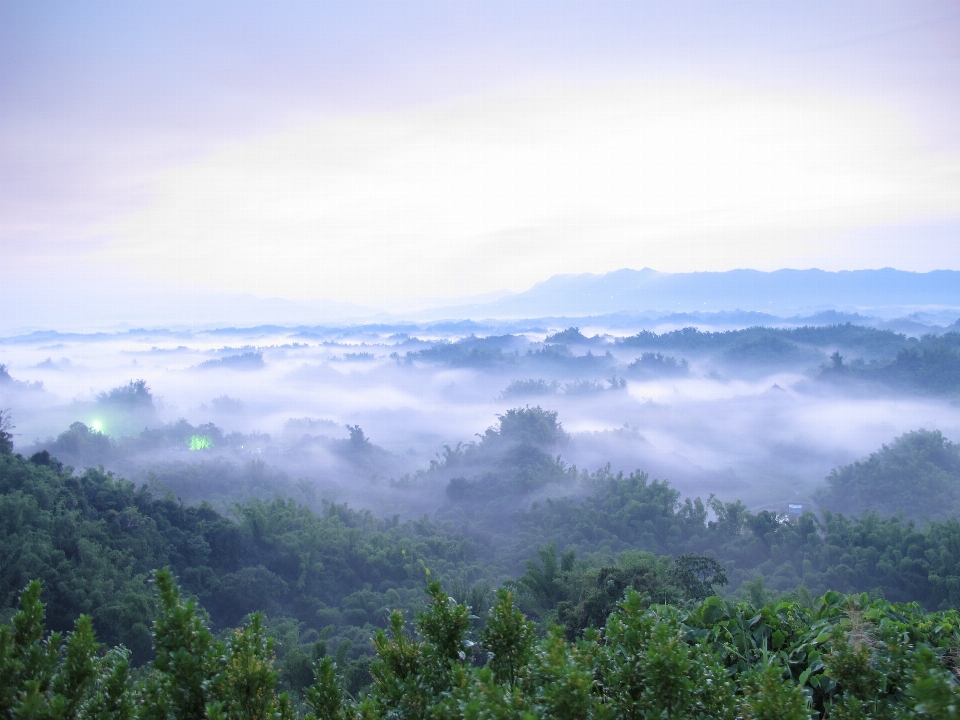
(325,697)
(242,687)
(400,688)
(6,432)
(184,659)
(564,683)
(697,575)
(653,672)
(769,694)
(42,676)
(509,638)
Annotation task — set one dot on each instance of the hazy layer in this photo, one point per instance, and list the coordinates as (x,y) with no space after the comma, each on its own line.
(765,435)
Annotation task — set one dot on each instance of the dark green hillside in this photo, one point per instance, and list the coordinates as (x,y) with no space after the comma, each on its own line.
(766,350)
(202,462)
(764,347)
(858,340)
(918,474)
(834,657)
(619,554)
(624,513)
(934,367)
(930,365)
(571,336)
(93,539)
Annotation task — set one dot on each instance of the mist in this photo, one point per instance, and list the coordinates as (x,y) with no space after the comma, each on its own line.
(379,416)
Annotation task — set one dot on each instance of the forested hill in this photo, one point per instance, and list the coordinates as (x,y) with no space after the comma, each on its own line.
(94,538)
(843,355)
(917,475)
(666,648)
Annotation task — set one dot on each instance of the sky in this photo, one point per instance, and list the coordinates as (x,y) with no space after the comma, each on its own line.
(378,152)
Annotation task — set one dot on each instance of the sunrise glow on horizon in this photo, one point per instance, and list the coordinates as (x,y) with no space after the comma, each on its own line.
(376,152)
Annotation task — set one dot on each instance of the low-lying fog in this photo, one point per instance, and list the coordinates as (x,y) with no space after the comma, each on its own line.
(758,425)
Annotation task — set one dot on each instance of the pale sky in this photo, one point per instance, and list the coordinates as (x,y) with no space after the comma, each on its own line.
(377,152)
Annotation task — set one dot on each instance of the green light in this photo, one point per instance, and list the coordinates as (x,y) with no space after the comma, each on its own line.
(96,426)
(200,442)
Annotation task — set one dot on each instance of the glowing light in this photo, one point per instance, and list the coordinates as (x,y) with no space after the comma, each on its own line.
(96,426)
(200,442)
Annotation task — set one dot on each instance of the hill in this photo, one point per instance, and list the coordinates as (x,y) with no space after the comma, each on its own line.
(782,291)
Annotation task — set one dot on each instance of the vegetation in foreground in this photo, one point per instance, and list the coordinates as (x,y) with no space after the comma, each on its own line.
(93,539)
(840,657)
(616,618)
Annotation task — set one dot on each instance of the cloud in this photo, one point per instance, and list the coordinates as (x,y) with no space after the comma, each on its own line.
(506,189)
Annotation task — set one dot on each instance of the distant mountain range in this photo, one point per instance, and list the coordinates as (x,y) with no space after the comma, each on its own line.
(918,301)
(885,292)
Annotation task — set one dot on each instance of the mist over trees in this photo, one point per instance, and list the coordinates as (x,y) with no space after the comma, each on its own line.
(524,526)
(602,639)
(917,475)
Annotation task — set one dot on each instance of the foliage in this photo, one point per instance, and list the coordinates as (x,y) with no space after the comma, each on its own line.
(250,360)
(774,342)
(133,394)
(534,426)
(654,672)
(6,433)
(508,638)
(43,676)
(513,458)
(468,352)
(765,349)
(841,656)
(655,364)
(330,579)
(570,336)
(84,446)
(930,366)
(93,540)
(582,387)
(918,475)
(768,696)
(697,575)
(528,388)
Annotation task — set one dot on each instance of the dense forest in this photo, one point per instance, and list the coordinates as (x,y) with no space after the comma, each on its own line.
(329,581)
(847,353)
(837,657)
(876,483)
(552,590)
(930,364)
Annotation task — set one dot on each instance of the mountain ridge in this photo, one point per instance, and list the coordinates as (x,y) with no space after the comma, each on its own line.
(780,291)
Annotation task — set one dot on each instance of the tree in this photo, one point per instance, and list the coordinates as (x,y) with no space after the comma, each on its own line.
(769,696)
(509,638)
(325,697)
(136,393)
(651,671)
(43,676)
(697,575)
(242,687)
(184,661)
(6,434)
